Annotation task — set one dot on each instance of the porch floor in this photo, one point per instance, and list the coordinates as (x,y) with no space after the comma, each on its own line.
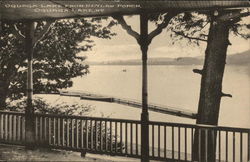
(19,153)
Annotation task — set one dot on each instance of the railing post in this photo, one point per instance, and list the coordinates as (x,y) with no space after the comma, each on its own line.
(248,152)
(29,111)
(144,114)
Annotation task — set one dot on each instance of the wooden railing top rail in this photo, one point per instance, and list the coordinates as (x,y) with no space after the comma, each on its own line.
(184,125)
(213,127)
(12,113)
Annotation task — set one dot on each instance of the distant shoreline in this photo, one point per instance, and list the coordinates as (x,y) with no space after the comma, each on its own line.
(236,59)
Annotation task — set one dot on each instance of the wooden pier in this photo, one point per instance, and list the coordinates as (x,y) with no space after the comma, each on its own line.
(137,104)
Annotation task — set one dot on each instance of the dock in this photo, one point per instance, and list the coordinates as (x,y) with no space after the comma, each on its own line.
(137,104)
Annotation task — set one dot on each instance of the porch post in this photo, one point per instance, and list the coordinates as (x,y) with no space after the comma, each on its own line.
(29,111)
(144,114)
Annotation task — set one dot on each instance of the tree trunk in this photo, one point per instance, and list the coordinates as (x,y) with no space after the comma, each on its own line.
(211,90)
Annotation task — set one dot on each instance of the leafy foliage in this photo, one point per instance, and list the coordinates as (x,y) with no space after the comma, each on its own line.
(56,56)
(43,107)
(193,26)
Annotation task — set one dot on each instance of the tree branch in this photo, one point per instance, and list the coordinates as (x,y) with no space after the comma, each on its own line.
(233,16)
(189,37)
(160,27)
(226,95)
(242,35)
(198,71)
(16,32)
(128,28)
(43,32)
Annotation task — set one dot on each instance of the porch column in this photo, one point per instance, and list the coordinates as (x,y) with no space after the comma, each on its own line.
(144,114)
(29,111)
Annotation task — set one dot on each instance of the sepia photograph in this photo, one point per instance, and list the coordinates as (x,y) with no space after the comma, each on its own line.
(125,80)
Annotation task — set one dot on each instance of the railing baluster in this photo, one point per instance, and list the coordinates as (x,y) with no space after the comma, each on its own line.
(136,141)
(14,127)
(179,143)
(41,129)
(49,131)
(165,141)
(10,127)
(3,134)
(7,127)
(58,131)
(111,136)
(54,131)
(87,134)
(106,139)
(131,138)
(77,134)
(126,138)
(153,144)
(214,132)
(101,137)
(19,128)
(192,139)
(241,159)
(115,137)
(186,144)
(233,146)
(121,137)
(91,135)
(23,129)
(159,141)
(226,146)
(67,131)
(63,132)
(172,142)
(248,152)
(36,128)
(72,133)
(219,146)
(206,144)
(96,135)
(45,128)
(81,127)
(199,144)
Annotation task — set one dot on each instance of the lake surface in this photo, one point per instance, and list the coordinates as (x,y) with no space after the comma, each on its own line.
(175,86)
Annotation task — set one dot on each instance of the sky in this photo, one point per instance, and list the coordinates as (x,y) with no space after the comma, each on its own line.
(124,47)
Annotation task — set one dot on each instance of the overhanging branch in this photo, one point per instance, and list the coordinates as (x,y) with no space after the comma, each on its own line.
(233,16)
(128,28)
(17,32)
(189,37)
(160,27)
(43,32)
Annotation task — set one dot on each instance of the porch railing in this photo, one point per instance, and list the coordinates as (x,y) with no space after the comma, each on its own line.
(120,137)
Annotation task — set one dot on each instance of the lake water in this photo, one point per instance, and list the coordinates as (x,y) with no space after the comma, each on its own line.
(175,86)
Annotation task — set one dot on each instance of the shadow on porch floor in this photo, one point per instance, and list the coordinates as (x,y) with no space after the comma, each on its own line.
(19,153)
